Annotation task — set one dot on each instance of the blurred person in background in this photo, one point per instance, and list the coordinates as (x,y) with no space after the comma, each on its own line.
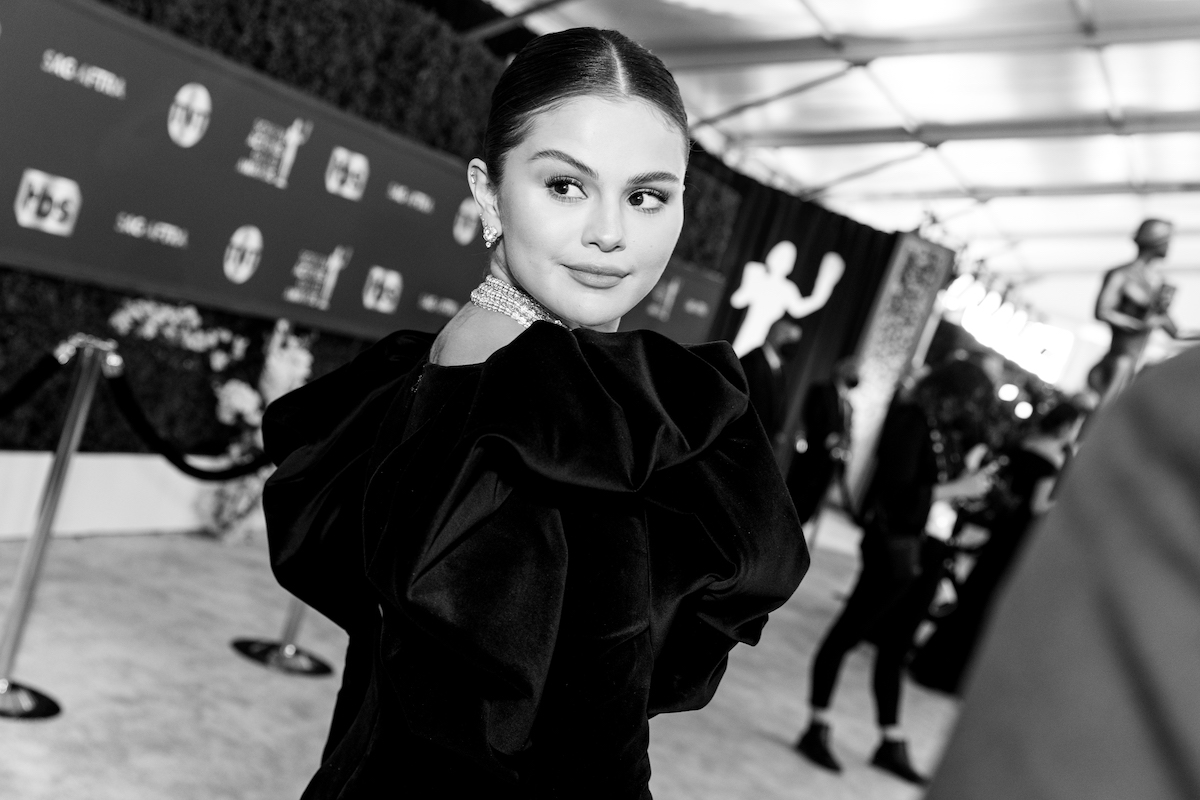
(926,459)
(1086,682)
(537,531)
(823,443)
(766,378)
(1021,494)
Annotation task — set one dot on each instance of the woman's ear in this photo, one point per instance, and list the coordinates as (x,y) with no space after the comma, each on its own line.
(485,192)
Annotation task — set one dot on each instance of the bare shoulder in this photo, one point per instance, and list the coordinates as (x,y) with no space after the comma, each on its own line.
(472,336)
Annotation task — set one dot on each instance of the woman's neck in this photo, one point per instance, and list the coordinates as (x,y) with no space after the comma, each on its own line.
(472,336)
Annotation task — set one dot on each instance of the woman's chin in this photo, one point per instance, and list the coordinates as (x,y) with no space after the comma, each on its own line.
(594,319)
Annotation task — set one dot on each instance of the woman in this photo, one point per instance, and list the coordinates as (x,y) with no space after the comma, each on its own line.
(921,456)
(537,531)
(1021,494)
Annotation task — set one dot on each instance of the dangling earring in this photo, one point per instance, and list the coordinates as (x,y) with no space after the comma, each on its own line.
(490,234)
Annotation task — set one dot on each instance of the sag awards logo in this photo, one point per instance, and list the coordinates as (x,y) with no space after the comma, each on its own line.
(316,276)
(347,173)
(88,76)
(47,203)
(139,227)
(767,293)
(382,290)
(187,121)
(410,198)
(273,150)
(466,222)
(435,304)
(662,299)
(243,253)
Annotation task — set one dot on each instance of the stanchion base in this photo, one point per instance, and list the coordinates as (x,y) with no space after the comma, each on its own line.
(22,702)
(282,657)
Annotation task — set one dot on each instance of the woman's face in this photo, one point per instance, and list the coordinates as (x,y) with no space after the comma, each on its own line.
(590,207)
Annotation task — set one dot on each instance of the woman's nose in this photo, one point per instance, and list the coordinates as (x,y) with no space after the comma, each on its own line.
(605,228)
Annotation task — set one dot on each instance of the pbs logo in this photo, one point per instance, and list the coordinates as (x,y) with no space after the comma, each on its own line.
(243,253)
(188,119)
(347,173)
(47,203)
(382,290)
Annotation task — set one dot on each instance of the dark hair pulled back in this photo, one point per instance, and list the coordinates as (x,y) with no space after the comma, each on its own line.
(959,398)
(573,63)
(1059,417)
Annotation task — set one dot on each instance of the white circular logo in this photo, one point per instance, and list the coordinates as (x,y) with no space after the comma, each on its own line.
(188,118)
(243,253)
(466,221)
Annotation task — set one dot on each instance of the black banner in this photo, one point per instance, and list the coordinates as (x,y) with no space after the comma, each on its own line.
(138,161)
(682,304)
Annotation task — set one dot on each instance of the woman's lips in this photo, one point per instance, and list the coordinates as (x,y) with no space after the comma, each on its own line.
(596,277)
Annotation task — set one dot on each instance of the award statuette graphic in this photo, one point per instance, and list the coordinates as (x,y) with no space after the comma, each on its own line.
(767,293)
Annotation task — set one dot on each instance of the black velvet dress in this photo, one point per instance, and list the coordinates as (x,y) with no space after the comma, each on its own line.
(532,555)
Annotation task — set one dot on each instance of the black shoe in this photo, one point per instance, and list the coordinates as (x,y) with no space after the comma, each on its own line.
(814,745)
(892,756)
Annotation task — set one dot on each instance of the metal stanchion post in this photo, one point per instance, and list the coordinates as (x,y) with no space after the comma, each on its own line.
(17,700)
(284,655)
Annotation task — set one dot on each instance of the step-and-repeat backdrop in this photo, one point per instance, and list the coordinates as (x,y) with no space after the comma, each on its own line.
(138,161)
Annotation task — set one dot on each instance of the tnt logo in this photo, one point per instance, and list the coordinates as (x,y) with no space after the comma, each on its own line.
(382,290)
(243,253)
(188,119)
(47,203)
(347,173)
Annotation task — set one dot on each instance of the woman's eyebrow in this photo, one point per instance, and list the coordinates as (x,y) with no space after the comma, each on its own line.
(654,177)
(645,177)
(561,156)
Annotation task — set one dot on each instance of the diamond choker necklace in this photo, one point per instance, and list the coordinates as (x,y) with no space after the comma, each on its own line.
(496,295)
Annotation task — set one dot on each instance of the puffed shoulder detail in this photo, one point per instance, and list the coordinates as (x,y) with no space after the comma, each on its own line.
(605,410)
(314,411)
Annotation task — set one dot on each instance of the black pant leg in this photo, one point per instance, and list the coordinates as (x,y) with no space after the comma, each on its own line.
(871,598)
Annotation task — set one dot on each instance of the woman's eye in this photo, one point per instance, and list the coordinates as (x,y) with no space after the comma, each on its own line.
(647,200)
(566,188)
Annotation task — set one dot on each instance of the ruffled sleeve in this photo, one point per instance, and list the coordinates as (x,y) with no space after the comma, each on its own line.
(605,411)
(727,549)
(464,520)
(614,492)
(321,436)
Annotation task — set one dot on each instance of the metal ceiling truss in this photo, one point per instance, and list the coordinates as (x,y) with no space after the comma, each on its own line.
(985,193)
(815,192)
(911,129)
(934,134)
(490,29)
(791,91)
(863,49)
(1017,279)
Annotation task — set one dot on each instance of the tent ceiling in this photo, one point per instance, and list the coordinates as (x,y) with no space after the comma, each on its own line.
(1032,135)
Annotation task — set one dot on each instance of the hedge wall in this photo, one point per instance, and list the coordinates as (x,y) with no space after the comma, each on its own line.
(388,61)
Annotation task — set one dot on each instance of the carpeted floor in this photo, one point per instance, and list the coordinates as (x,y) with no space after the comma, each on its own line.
(131,635)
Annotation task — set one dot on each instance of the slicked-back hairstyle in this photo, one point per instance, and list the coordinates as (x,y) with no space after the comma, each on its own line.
(573,63)
(1059,417)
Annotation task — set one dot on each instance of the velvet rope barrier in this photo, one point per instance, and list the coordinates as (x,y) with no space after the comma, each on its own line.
(27,385)
(128,405)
